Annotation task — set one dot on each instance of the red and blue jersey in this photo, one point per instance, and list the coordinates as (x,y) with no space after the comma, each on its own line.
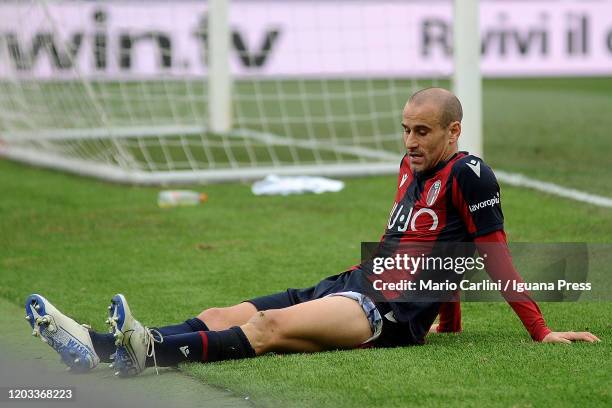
(456,202)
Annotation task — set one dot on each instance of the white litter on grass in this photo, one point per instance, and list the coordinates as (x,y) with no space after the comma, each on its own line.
(275,185)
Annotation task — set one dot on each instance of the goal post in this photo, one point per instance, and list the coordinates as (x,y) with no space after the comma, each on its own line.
(467,80)
(219,78)
(189,92)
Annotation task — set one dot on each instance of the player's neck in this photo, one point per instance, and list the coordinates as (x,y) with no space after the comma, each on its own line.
(439,165)
(445,157)
(450,153)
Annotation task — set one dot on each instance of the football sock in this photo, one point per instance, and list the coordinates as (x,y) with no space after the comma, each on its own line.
(202,346)
(104,345)
(188,326)
(230,344)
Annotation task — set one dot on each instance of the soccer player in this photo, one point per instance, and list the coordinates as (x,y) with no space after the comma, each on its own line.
(443,196)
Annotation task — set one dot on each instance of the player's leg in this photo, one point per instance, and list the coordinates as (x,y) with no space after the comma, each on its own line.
(345,320)
(221,318)
(216,318)
(139,347)
(184,340)
(323,324)
(329,323)
(333,322)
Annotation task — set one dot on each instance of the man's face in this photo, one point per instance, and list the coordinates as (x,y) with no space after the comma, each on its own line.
(426,141)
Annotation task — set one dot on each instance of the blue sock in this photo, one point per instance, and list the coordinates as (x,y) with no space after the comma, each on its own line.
(104,345)
(230,344)
(202,346)
(188,326)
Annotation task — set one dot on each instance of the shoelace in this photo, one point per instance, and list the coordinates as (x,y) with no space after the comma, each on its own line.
(150,341)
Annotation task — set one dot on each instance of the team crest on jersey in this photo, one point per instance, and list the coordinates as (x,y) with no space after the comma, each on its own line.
(433,192)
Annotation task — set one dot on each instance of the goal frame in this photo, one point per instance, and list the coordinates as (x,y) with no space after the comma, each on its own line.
(466,84)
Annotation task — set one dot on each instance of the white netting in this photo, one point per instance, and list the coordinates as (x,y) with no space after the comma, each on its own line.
(119,89)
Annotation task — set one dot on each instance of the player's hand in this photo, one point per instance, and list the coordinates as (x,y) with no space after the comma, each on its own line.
(569,337)
(434,329)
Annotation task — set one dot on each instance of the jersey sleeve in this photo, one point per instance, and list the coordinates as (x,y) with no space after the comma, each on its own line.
(476,195)
(450,316)
(499,266)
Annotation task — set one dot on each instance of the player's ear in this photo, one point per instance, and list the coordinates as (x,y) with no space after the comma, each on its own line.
(454,130)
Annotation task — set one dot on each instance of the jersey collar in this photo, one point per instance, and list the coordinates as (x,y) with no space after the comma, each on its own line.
(430,172)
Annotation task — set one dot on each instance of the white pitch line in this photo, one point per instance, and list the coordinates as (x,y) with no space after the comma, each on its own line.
(519,180)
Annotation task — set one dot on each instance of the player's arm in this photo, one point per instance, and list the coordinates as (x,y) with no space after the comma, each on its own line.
(476,196)
(449,317)
(499,266)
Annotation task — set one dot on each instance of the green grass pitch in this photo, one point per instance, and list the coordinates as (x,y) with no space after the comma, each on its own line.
(85,240)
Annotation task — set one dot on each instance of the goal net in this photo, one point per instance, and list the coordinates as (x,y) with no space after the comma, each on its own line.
(126,91)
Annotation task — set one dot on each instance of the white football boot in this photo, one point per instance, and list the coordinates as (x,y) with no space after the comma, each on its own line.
(134,341)
(69,338)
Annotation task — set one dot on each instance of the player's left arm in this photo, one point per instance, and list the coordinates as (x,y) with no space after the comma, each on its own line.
(499,266)
(476,195)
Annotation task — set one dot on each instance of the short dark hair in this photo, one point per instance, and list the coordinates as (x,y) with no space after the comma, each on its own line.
(450,107)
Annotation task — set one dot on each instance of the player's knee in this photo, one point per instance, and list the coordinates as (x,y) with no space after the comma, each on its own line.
(267,329)
(213,317)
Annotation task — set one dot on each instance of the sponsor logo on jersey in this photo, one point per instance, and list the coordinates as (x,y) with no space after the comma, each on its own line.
(404,178)
(433,193)
(491,202)
(475,166)
(406,218)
